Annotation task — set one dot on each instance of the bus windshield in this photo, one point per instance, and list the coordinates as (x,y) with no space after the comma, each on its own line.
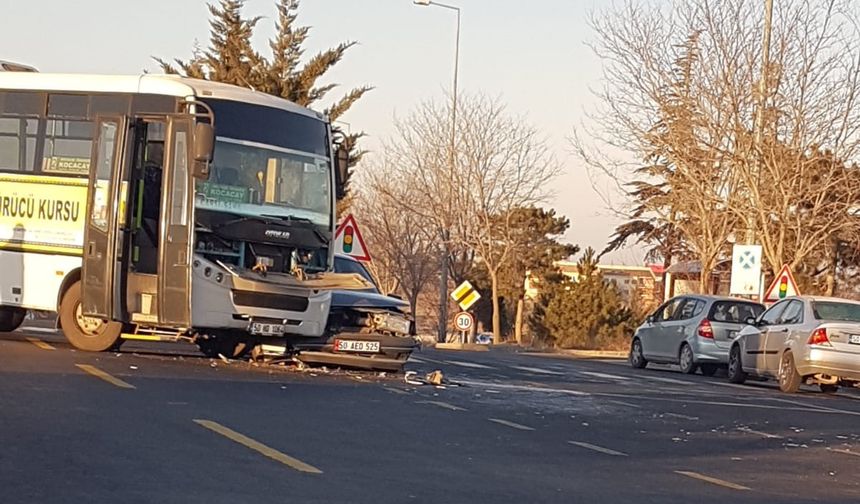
(268,162)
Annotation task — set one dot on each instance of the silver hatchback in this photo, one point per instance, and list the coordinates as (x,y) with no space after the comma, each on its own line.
(693,331)
(804,339)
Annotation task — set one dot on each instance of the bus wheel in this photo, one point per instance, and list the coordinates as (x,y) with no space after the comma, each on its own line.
(11,318)
(86,333)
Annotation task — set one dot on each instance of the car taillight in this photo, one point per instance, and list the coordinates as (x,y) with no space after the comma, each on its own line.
(705,329)
(819,337)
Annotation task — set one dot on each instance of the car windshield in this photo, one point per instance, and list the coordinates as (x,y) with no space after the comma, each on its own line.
(734,311)
(834,310)
(342,265)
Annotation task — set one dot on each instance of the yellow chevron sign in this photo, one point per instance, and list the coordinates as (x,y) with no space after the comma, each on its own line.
(465,295)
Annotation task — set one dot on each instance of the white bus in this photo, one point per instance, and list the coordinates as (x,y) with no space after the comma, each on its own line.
(158,207)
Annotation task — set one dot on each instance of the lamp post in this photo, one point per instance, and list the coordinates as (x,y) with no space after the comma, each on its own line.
(443,273)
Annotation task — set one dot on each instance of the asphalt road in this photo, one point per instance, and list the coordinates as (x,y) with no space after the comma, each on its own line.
(160,423)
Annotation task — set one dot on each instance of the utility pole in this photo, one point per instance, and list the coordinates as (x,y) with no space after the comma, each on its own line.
(452,162)
(760,107)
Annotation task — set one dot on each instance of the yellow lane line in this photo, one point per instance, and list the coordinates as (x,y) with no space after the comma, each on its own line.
(596,448)
(442,404)
(41,344)
(257,446)
(98,373)
(713,481)
(511,424)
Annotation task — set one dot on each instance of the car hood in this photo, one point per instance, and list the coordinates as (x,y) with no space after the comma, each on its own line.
(366,299)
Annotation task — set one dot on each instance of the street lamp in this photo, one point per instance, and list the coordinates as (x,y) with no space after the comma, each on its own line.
(443,275)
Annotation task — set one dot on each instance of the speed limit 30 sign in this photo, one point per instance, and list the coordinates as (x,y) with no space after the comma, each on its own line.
(464,321)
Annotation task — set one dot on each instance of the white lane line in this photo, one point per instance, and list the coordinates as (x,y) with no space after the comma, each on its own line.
(713,481)
(683,417)
(845,452)
(727,403)
(396,391)
(416,360)
(759,433)
(596,448)
(38,329)
(605,375)
(521,388)
(630,405)
(536,370)
(668,380)
(474,365)
(734,385)
(511,424)
(442,404)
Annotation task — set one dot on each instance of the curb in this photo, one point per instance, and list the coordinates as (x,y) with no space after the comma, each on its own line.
(462,346)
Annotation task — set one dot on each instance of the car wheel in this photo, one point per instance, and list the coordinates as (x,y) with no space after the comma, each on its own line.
(687,360)
(789,378)
(709,369)
(637,359)
(11,318)
(736,369)
(86,333)
(829,389)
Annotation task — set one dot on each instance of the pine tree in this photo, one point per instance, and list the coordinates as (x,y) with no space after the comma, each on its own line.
(231,58)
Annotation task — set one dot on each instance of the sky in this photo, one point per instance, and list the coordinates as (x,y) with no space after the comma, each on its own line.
(531,54)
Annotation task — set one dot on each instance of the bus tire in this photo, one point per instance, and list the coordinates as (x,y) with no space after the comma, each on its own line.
(86,333)
(11,318)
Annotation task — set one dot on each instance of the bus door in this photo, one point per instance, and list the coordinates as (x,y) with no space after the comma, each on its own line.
(177,225)
(100,232)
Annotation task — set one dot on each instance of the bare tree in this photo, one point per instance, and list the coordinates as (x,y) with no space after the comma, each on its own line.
(679,93)
(501,164)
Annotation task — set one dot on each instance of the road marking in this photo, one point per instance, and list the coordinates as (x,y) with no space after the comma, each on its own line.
(468,364)
(844,452)
(715,481)
(41,344)
(759,433)
(604,375)
(511,424)
(396,391)
(416,360)
(596,448)
(521,388)
(257,446)
(678,415)
(668,380)
(442,404)
(631,405)
(537,370)
(735,385)
(98,373)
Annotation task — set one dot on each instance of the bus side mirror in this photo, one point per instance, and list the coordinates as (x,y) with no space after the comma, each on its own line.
(204,147)
(341,171)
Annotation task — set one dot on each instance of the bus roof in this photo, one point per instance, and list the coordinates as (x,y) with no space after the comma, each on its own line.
(159,84)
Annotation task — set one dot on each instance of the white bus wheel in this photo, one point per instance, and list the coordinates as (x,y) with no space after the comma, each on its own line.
(86,333)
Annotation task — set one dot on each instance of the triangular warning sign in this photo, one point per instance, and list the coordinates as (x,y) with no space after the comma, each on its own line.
(348,240)
(783,286)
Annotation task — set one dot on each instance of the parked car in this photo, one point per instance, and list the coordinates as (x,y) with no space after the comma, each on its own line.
(366,329)
(693,331)
(805,339)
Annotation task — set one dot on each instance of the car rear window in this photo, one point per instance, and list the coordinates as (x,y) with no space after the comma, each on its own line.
(736,312)
(833,310)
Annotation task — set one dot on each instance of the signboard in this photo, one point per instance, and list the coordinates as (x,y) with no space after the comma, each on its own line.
(746,270)
(464,321)
(465,295)
(42,214)
(348,240)
(783,286)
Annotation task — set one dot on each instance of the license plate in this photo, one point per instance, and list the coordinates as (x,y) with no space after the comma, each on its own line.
(854,339)
(342,345)
(264,329)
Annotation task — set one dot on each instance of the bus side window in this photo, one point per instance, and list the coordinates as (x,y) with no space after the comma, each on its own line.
(18,143)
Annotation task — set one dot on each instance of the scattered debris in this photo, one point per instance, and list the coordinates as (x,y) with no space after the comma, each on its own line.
(225,359)
(133,368)
(435,378)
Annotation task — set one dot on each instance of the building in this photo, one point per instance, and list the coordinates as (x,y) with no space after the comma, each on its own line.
(640,285)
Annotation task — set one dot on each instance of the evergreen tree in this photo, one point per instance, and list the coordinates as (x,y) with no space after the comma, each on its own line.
(231,58)
(586,313)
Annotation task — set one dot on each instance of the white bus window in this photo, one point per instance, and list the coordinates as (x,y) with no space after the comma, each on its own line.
(68,146)
(17,143)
